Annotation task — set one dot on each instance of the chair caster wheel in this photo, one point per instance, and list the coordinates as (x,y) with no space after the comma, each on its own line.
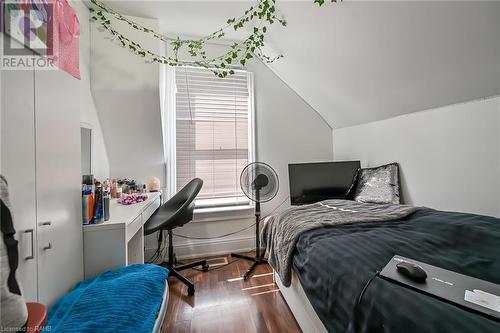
(205,267)
(190,291)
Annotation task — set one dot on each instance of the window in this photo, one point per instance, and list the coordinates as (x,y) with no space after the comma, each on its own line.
(213,133)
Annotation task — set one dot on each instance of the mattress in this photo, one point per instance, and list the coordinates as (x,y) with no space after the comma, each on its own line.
(334,264)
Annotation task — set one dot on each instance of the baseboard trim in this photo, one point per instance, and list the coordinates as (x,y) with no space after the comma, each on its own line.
(197,248)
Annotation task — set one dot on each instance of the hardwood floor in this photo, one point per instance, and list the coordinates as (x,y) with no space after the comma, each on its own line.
(223,302)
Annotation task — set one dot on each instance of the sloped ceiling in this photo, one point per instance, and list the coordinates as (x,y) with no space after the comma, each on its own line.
(358,62)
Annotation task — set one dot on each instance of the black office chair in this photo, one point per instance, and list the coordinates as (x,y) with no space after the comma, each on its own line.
(172,214)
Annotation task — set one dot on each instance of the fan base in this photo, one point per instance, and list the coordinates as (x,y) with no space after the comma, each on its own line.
(257,260)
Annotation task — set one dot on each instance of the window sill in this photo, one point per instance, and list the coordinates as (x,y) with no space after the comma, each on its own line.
(223,213)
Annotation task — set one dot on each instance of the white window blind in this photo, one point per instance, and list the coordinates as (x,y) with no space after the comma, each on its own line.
(212,133)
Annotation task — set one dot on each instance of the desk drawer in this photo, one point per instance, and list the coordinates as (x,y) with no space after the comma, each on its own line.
(146,214)
(133,227)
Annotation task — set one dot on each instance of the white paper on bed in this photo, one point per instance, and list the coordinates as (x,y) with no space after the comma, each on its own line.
(483,298)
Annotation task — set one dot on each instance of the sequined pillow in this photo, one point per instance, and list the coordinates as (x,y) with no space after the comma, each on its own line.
(378,185)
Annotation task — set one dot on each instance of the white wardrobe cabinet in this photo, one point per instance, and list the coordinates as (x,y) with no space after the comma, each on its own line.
(18,167)
(40,158)
(58,179)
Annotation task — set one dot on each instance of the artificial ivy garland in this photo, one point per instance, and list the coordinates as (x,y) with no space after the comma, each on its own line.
(264,14)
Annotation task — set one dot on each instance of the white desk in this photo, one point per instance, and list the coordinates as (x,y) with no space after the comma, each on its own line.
(120,240)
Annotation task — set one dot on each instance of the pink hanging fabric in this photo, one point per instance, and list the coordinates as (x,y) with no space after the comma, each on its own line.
(65,38)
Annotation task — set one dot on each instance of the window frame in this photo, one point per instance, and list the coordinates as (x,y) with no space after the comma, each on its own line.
(169,112)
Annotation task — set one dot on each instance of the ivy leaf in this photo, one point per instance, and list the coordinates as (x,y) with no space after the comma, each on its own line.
(240,52)
(319,2)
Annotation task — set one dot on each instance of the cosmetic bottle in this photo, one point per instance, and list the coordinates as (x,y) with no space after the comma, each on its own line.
(85,205)
(91,195)
(114,188)
(99,205)
(106,202)
(125,188)
(106,186)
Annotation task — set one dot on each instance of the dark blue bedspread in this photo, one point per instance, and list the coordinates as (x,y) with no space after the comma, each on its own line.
(334,264)
(127,299)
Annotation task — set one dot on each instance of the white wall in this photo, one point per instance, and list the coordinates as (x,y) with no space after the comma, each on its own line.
(88,112)
(379,59)
(361,61)
(126,94)
(449,157)
(287,129)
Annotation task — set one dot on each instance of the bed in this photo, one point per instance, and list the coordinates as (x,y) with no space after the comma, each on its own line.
(160,318)
(133,298)
(332,263)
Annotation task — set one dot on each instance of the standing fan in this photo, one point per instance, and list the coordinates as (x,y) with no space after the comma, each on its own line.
(260,183)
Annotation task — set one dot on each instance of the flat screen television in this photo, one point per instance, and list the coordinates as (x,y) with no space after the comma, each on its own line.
(313,182)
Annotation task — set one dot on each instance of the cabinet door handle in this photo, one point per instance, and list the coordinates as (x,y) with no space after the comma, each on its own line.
(47,247)
(32,256)
(45,223)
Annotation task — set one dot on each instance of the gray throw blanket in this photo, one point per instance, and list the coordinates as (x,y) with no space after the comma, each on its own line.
(281,232)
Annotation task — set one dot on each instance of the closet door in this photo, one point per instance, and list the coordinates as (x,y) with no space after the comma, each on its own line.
(18,167)
(59,212)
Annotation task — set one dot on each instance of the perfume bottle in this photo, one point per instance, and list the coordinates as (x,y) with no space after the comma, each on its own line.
(99,205)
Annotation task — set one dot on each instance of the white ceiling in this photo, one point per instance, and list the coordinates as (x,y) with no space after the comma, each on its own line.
(357,62)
